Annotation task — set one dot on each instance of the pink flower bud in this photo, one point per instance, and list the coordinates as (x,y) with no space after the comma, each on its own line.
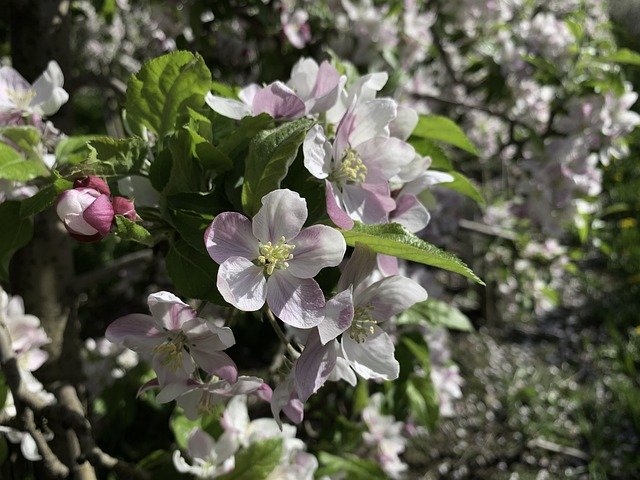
(93,182)
(86,213)
(124,206)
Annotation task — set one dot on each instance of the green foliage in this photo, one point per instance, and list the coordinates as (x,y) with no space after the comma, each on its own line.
(355,467)
(44,198)
(25,138)
(193,273)
(393,239)
(166,87)
(128,230)
(13,166)
(117,155)
(256,461)
(463,185)
(623,55)
(182,426)
(426,147)
(73,150)
(435,127)
(436,313)
(15,233)
(271,153)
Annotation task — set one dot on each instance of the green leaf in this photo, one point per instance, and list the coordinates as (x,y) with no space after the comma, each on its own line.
(122,155)
(73,150)
(436,312)
(44,198)
(15,234)
(623,55)
(182,428)
(186,173)
(207,203)
(256,461)
(128,230)
(210,156)
(442,129)
(393,239)
(193,273)
(191,226)
(423,400)
(26,138)
(166,87)
(355,467)
(463,185)
(14,166)
(427,148)
(270,155)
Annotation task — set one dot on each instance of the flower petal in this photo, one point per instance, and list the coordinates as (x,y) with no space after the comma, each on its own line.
(279,101)
(100,214)
(374,357)
(369,204)
(326,89)
(296,301)
(404,124)
(359,267)
(314,366)
(242,284)
(371,119)
(227,107)
(217,363)
(230,235)
(169,311)
(303,77)
(390,296)
(50,95)
(410,213)
(282,214)
(136,331)
(338,314)
(317,247)
(317,152)
(247,93)
(386,155)
(200,444)
(334,210)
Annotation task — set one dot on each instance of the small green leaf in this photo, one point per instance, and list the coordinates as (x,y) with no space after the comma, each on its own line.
(270,155)
(436,312)
(193,273)
(423,400)
(166,87)
(73,150)
(210,156)
(123,155)
(128,230)
(256,461)
(623,55)
(44,198)
(355,467)
(393,239)
(15,234)
(427,148)
(14,166)
(463,185)
(442,129)
(26,138)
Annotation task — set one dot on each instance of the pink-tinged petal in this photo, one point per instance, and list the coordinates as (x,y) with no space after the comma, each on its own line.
(388,265)
(282,214)
(371,120)
(357,270)
(265,392)
(298,302)
(410,213)
(374,357)
(335,212)
(426,180)
(303,77)
(242,284)
(10,82)
(386,155)
(390,296)
(171,391)
(342,370)
(338,314)
(369,204)
(314,366)
(294,410)
(174,368)
(93,182)
(200,444)
(284,399)
(230,235)
(136,331)
(70,208)
(327,87)
(150,385)
(317,152)
(100,214)
(227,107)
(317,247)
(217,363)
(279,101)
(169,311)
(343,131)
(247,94)
(211,337)
(124,206)
(404,124)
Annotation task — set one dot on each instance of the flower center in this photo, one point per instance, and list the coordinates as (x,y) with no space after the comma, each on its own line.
(362,324)
(351,170)
(274,257)
(172,349)
(22,98)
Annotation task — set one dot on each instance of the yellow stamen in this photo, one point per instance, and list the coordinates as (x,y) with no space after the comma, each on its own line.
(351,170)
(362,324)
(172,350)
(274,257)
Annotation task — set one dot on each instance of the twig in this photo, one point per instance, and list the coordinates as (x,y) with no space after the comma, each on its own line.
(280,333)
(557,448)
(52,463)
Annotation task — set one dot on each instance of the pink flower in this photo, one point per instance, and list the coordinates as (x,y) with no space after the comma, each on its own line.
(295,27)
(273,259)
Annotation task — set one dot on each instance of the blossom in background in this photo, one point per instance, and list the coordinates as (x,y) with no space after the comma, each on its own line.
(295,26)
(88,211)
(273,259)
(384,433)
(209,458)
(18,97)
(176,339)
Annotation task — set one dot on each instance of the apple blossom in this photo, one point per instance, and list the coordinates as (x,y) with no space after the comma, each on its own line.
(273,259)
(210,458)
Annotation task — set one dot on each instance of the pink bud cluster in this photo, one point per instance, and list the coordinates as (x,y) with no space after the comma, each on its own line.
(88,209)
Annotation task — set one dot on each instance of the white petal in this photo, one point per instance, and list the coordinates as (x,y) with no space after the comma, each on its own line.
(338,314)
(404,124)
(372,358)
(372,119)
(390,296)
(227,107)
(242,284)
(231,235)
(298,302)
(386,155)
(317,152)
(282,214)
(303,77)
(317,247)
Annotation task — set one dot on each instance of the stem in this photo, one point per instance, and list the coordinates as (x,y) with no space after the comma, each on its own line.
(280,333)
